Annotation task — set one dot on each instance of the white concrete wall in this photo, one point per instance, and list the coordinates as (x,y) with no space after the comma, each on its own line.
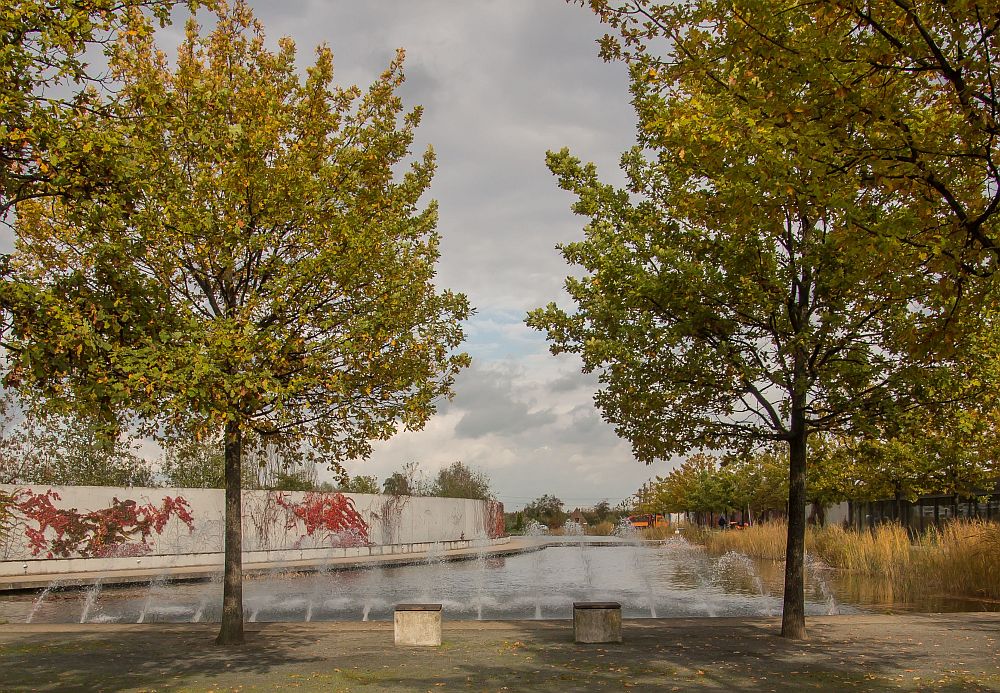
(837,514)
(267,526)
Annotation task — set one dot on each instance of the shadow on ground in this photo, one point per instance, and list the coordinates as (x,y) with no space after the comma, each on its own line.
(910,652)
(151,657)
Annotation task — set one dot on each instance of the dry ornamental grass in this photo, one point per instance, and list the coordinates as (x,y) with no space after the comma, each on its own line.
(962,558)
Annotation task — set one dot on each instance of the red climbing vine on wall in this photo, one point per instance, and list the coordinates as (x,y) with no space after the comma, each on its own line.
(494,519)
(108,532)
(330,514)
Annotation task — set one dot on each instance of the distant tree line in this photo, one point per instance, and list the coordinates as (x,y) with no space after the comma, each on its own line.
(548,510)
(457,480)
(72,451)
(844,468)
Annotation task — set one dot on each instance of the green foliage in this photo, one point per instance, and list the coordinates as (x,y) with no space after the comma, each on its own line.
(842,468)
(454,481)
(410,481)
(546,509)
(192,463)
(602,512)
(396,484)
(749,285)
(279,275)
(936,460)
(360,484)
(707,484)
(697,485)
(263,266)
(513,523)
(294,480)
(36,448)
(57,132)
(459,481)
(900,97)
(764,276)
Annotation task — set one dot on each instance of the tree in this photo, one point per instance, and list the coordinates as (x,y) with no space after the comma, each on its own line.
(601,511)
(459,481)
(410,481)
(546,509)
(705,484)
(954,451)
(192,463)
(71,451)
(696,485)
(735,294)
(62,135)
(396,484)
(188,462)
(361,484)
(58,450)
(513,522)
(287,269)
(52,143)
(914,101)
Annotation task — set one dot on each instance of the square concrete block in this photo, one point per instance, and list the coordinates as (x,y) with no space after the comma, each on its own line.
(595,622)
(417,624)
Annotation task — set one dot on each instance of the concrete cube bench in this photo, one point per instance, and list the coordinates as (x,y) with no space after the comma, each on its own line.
(417,624)
(596,622)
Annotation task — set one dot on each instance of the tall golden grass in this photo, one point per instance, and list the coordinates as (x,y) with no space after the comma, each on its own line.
(601,529)
(759,541)
(657,533)
(961,558)
(886,551)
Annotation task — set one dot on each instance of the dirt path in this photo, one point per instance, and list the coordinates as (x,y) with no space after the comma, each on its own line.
(958,652)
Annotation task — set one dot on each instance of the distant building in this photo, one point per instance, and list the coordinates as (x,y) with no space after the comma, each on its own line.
(578,517)
(926,511)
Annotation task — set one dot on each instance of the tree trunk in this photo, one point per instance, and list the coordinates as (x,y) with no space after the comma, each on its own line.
(793,615)
(901,517)
(231,632)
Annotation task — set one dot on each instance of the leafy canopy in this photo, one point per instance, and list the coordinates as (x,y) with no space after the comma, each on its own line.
(265,268)
(55,137)
(460,481)
(750,284)
(900,96)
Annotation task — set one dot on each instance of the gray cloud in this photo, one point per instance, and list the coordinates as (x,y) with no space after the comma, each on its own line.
(573,380)
(490,406)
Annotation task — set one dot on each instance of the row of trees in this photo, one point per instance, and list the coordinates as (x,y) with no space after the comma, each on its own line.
(703,486)
(842,469)
(457,480)
(808,239)
(71,451)
(548,510)
(223,250)
(59,450)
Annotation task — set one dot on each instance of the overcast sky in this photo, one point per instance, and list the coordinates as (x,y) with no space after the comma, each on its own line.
(501,82)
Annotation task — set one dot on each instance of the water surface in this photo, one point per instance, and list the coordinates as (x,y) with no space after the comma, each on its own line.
(674,579)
